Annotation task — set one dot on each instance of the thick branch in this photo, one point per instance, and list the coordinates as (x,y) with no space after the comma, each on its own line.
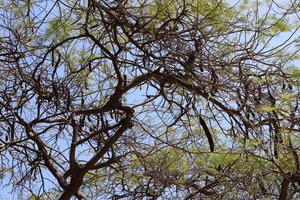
(125,124)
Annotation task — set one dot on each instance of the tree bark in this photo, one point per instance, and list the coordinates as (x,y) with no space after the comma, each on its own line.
(72,189)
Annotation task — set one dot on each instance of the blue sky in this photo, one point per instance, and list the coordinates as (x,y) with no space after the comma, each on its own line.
(17,195)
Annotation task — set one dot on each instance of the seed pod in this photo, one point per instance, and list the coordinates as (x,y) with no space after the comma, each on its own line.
(125,79)
(207,133)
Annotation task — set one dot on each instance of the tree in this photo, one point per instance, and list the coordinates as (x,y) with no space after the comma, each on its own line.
(150,99)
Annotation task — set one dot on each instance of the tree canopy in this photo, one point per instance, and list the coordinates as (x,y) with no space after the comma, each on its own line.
(150,99)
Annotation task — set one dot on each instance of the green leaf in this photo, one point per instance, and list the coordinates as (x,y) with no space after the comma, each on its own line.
(58,29)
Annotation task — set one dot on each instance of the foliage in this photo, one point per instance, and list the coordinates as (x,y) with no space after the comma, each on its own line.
(152,99)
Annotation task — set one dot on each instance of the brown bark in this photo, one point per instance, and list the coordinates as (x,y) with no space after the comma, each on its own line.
(72,189)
